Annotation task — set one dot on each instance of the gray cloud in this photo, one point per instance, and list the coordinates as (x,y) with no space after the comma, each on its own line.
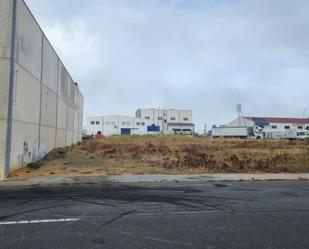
(201,55)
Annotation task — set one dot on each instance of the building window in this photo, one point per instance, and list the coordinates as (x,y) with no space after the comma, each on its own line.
(123,123)
(138,123)
(112,123)
(107,123)
(147,117)
(159,118)
(299,127)
(307,127)
(97,122)
(92,122)
(173,118)
(185,119)
(274,126)
(128,123)
(287,127)
(143,123)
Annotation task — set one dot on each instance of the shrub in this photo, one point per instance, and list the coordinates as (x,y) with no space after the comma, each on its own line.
(34,165)
(307,140)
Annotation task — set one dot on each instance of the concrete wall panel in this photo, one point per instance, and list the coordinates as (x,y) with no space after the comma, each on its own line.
(61,138)
(76,121)
(61,114)
(70,137)
(50,66)
(48,107)
(29,41)
(70,118)
(71,92)
(3,128)
(81,105)
(4,86)
(63,82)
(47,139)
(25,144)
(76,98)
(26,99)
(6,10)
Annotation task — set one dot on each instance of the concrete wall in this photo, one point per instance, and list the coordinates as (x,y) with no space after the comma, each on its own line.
(47,104)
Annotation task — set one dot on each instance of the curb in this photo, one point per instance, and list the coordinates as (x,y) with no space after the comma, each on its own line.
(49,181)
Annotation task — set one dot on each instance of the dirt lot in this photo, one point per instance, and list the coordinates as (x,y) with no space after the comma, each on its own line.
(171,155)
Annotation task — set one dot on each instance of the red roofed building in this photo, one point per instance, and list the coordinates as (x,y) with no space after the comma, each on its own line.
(272,124)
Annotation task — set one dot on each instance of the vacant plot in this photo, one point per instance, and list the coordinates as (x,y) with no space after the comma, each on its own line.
(171,155)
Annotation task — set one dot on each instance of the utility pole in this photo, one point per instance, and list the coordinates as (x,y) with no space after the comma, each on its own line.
(304,116)
(240,115)
(238,109)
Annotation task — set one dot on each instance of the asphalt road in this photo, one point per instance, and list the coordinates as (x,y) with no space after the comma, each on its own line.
(180,215)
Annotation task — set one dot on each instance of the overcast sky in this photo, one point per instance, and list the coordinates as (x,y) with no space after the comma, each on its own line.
(204,55)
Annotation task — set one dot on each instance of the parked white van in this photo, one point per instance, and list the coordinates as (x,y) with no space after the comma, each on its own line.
(297,134)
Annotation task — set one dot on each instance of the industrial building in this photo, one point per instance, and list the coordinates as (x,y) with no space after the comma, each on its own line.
(116,125)
(273,127)
(146,122)
(170,121)
(41,107)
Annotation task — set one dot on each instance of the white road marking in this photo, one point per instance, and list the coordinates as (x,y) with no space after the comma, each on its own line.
(36,221)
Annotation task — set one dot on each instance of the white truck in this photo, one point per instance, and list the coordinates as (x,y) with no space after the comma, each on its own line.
(297,134)
(237,132)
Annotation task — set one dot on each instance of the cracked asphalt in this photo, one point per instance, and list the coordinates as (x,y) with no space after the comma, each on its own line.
(163,215)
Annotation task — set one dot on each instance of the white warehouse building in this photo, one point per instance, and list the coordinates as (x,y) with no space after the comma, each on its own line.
(145,122)
(116,125)
(273,127)
(170,121)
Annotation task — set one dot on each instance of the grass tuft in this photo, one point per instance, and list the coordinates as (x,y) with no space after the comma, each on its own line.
(34,165)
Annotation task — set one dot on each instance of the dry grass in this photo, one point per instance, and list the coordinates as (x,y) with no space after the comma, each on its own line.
(170,155)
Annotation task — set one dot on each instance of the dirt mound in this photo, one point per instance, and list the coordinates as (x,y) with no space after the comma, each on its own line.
(56,153)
